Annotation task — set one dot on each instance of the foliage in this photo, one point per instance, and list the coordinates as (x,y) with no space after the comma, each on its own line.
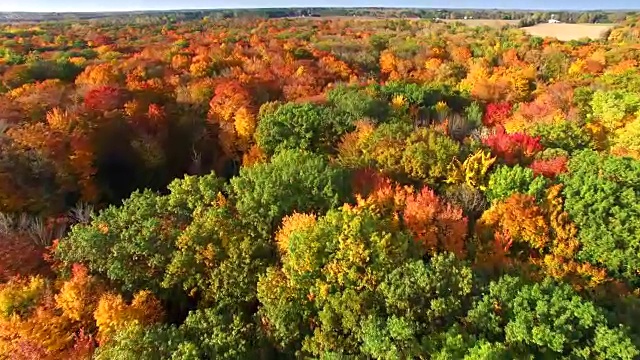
(506,180)
(601,197)
(473,171)
(566,135)
(146,227)
(349,273)
(292,181)
(547,319)
(513,149)
(300,126)
(389,188)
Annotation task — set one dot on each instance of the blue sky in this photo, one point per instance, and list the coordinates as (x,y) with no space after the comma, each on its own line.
(123,5)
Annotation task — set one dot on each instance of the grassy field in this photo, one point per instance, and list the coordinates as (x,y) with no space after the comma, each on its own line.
(566,32)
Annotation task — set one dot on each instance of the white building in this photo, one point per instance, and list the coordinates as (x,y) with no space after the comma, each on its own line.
(554,21)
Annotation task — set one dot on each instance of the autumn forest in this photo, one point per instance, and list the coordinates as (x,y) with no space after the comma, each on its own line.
(317,188)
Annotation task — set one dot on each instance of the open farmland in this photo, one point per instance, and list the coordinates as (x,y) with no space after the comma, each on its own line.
(566,32)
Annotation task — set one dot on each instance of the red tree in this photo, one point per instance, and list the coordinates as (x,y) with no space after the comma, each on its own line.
(513,148)
(496,113)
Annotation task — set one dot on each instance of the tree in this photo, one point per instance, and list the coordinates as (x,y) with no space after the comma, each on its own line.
(567,135)
(506,180)
(397,150)
(146,228)
(354,285)
(517,148)
(546,319)
(292,181)
(217,260)
(136,341)
(438,226)
(301,126)
(601,195)
(358,103)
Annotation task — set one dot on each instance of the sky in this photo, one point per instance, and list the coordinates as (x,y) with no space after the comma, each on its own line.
(129,5)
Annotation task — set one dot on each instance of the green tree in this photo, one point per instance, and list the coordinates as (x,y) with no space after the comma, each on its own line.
(291,181)
(353,286)
(566,135)
(133,244)
(358,104)
(136,342)
(602,195)
(301,126)
(546,320)
(506,180)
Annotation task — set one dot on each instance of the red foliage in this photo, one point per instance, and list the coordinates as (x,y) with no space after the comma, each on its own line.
(437,224)
(19,256)
(550,168)
(367,181)
(104,98)
(513,148)
(497,113)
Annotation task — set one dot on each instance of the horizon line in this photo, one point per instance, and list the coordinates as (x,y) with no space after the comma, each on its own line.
(312,7)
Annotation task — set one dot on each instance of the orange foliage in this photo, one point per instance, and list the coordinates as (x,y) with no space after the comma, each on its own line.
(437,225)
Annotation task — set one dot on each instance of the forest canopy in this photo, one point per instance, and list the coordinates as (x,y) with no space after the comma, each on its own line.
(258,187)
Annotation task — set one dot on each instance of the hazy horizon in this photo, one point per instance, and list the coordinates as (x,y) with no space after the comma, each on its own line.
(159,5)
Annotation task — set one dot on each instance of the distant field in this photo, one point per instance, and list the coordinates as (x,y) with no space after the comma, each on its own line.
(485,22)
(566,32)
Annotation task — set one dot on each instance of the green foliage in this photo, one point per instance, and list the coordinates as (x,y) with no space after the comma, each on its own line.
(218,334)
(566,135)
(144,228)
(506,180)
(136,342)
(582,97)
(292,181)
(473,112)
(423,154)
(426,95)
(428,155)
(350,285)
(546,320)
(358,104)
(602,196)
(301,126)
(218,259)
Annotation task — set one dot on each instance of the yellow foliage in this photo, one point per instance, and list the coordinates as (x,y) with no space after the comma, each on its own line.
(433,64)
(578,67)
(100,74)
(113,313)
(78,296)
(388,62)
(78,61)
(626,141)
(199,69)
(473,171)
(598,134)
(442,106)
(59,119)
(398,101)
(18,297)
(245,123)
(291,223)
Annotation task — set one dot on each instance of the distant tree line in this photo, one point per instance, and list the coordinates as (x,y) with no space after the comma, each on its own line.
(527,17)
